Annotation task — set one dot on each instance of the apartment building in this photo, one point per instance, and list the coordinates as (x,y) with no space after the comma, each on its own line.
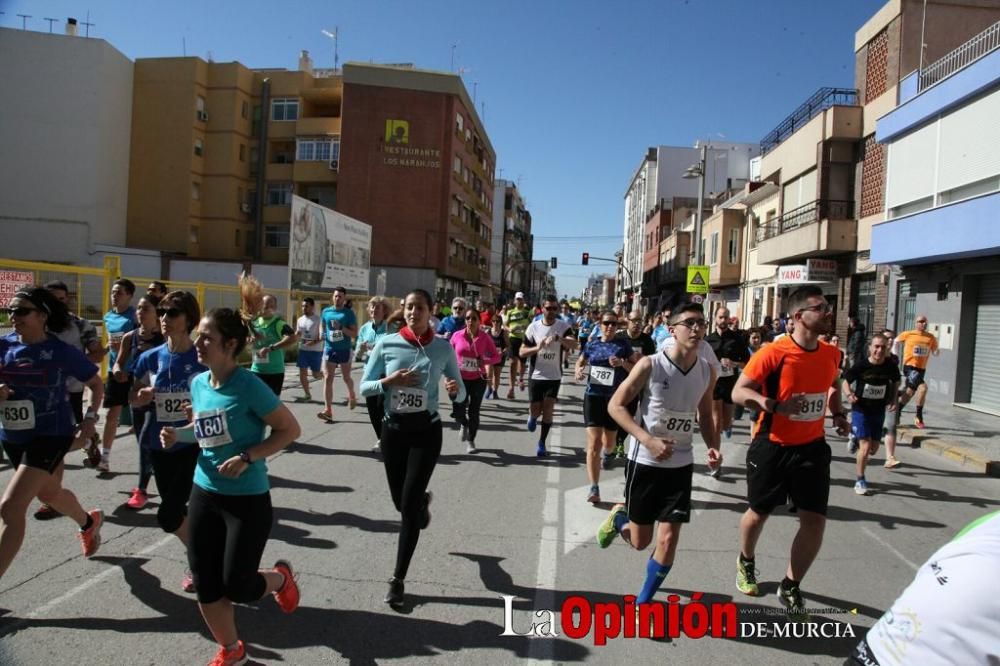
(512,242)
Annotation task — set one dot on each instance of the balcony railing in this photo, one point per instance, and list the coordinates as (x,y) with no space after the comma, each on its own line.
(821,100)
(814,211)
(974,49)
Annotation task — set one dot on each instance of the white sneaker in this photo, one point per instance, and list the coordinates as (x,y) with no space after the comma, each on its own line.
(471,448)
(105,464)
(861,487)
(377,447)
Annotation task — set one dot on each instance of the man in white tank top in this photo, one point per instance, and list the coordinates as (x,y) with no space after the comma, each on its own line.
(675,384)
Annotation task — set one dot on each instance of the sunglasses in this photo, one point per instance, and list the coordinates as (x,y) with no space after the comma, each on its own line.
(692,323)
(824,307)
(20,312)
(551,309)
(168,312)
(609,323)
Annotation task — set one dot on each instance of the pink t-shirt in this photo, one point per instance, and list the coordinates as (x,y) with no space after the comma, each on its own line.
(473,355)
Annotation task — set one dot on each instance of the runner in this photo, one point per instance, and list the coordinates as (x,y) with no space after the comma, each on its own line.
(163,378)
(731,350)
(567,316)
(918,345)
(872,386)
(339,326)
(230,515)
(407,368)
(609,358)
(308,331)
(891,416)
(475,352)
(674,385)
(543,341)
(517,320)
(371,332)
(588,320)
(272,335)
(158,289)
(789,382)
(453,322)
(500,341)
(134,344)
(118,321)
(81,335)
(36,418)
(754,343)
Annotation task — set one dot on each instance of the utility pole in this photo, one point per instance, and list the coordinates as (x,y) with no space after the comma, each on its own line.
(24,20)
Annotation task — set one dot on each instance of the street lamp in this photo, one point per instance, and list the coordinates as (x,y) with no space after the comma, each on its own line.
(698,171)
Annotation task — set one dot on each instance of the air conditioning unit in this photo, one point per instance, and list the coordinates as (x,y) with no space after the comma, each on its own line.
(245,207)
(334,165)
(203,116)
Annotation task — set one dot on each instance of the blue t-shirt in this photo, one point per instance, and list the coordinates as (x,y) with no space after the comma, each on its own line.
(599,353)
(227,421)
(170,374)
(37,375)
(450,325)
(371,333)
(660,333)
(117,325)
(334,321)
(586,326)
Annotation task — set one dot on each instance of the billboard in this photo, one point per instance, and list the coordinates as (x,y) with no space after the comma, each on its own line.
(327,249)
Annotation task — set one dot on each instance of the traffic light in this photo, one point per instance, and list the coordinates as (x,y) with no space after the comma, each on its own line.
(554,262)
(586,258)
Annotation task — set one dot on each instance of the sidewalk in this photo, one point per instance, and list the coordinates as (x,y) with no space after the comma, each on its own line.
(965,436)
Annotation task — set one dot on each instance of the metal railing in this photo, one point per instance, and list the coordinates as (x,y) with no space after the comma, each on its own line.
(820,101)
(814,211)
(974,49)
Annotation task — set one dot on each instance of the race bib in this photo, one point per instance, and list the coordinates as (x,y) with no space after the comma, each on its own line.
(602,376)
(170,406)
(335,336)
(725,372)
(408,400)
(920,351)
(814,408)
(211,428)
(115,339)
(307,335)
(17,414)
(547,357)
(873,392)
(470,364)
(678,426)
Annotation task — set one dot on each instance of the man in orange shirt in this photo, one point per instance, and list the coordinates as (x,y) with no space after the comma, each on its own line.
(917,347)
(789,383)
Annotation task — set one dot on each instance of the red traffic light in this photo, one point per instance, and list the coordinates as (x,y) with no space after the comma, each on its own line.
(586,258)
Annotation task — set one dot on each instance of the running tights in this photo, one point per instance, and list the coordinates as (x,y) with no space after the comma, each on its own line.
(376,412)
(139,416)
(475,388)
(174,473)
(409,459)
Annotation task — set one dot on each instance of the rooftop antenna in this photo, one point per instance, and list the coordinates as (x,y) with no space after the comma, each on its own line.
(87,23)
(24,20)
(336,55)
(184,48)
(482,105)
(453,47)
(51,21)
(475,86)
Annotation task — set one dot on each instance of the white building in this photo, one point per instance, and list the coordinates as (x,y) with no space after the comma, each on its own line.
(65,128)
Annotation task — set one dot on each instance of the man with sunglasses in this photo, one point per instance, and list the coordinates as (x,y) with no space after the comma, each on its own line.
(789,382)
(674,386)
(455,321)
(917,347)
(544,340)
(118,321)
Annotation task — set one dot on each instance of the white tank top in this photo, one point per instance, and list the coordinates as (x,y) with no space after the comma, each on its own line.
(668,408)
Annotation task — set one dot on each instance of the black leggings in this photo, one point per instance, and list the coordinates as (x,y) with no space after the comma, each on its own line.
(227,538)
(475,388)
(376,412)
(174,473)
(409,459)
(139,417)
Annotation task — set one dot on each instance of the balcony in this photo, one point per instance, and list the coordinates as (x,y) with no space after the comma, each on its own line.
(317,127)
(819,228)
(985,42)
(311,171)
(821,100)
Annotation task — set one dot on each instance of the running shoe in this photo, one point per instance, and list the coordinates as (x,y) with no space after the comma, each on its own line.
(520,385)
(235,657)
(394,597)
(746,578)
(852,444)
(532,423)
(891,462)
(594,496)
(46,512)
(714,472)
(606,533)
(352,402)
(860,487)
(105,465)
(325,415)
(470,447)
(377,446)
(287,595)
(540,450)
(187,582)
(607,460)
(92,452)
(90,540)
(919,422)
(138,499)
(728,433)
(510,394)
(791,599)
(425,518)
(304,398)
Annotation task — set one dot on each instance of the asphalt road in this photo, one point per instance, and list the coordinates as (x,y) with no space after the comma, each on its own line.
(504,524)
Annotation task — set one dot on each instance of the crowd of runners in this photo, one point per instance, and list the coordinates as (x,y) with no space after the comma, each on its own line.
(205,424)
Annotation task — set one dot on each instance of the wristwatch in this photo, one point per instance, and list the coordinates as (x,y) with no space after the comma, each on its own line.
(245,457)
(92,415)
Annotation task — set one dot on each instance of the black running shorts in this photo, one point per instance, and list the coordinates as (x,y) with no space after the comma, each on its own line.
(43,452)
(658,493)
(541,389)
(595,412)
(776,473)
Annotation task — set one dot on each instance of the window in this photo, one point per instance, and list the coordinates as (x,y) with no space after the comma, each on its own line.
(275,236)
(243,152)
(199,147)
(279,194)
(243,112)
(318,150)
(715,248)
(864,300)
(734,246)
(200,104)
(754,227)
(456,206)
(457,165)
(459,122)
(195,190)
(285,108)
(193,235)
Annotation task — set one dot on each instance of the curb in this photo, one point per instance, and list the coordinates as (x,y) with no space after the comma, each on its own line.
(954,452)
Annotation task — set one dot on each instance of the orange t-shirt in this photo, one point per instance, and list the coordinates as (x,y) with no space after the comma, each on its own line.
(784,369)
(917,347)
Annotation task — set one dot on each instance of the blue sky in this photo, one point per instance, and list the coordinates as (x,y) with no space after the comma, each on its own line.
(574,91)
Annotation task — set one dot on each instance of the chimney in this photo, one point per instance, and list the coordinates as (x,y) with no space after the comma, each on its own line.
(71,27)
(305,62)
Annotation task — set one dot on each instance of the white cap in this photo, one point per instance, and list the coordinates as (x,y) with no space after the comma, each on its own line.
(519,294)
